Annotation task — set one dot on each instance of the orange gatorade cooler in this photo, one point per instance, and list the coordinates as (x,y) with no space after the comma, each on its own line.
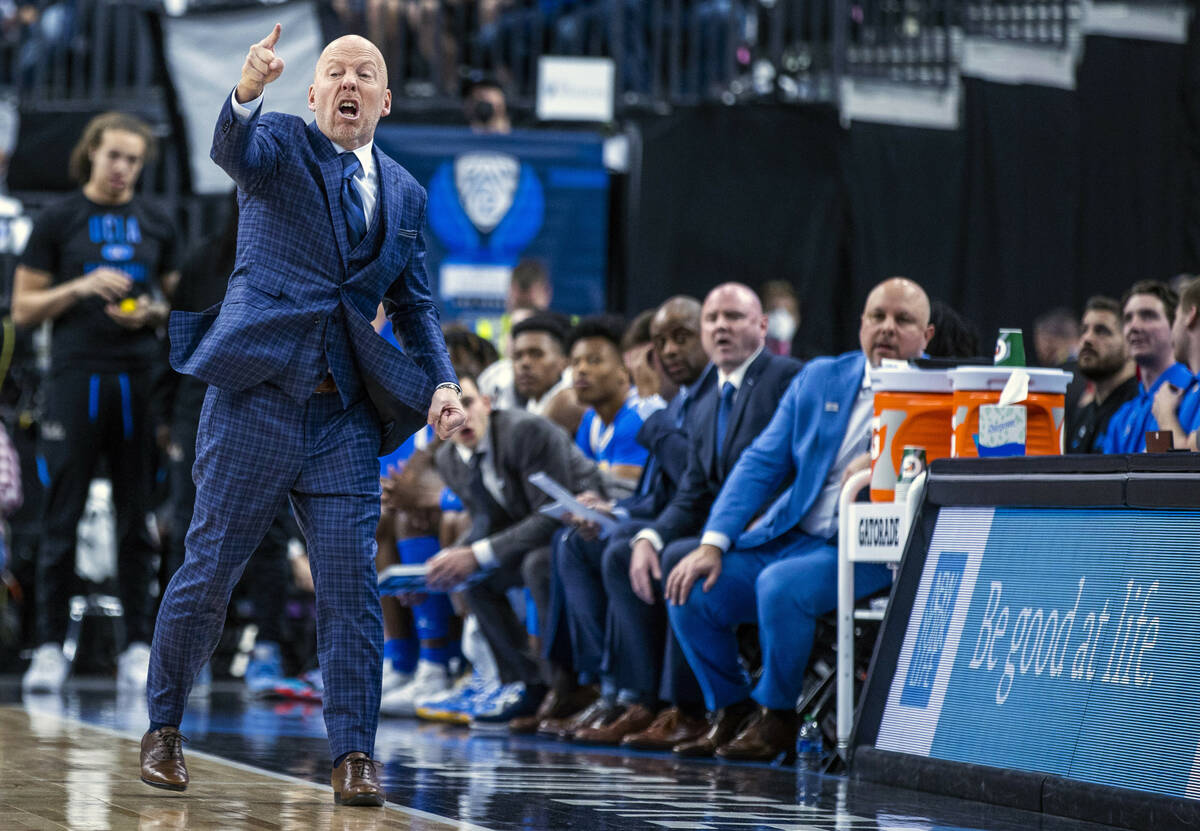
(1045,406)
(912,407)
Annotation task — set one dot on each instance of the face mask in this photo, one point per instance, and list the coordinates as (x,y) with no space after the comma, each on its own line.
(781,325)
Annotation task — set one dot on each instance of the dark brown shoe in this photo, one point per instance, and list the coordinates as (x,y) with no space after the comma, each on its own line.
(356,781)
(162,759)
(767,736)
(726,723)
(596,713)
(636,718)
(673,726)
(557,704)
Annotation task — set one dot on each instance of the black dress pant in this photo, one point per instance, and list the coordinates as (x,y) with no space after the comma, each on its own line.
(90,416)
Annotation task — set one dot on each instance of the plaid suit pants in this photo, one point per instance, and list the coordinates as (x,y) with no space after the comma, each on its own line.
(256,448)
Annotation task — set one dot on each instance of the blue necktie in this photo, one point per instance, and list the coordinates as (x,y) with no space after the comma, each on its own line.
(726,407)
(356,215)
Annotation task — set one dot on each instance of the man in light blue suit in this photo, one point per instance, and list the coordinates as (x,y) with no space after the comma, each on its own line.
(780,570)
(304,394)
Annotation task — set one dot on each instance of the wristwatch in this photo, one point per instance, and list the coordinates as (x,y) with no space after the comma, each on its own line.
(449,385)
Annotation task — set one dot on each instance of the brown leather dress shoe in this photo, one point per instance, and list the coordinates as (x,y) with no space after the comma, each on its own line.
(636,718)
(726,723)
(356,781)
(673,726)
(557,704)
(769,734)
(162,759)
(596,713)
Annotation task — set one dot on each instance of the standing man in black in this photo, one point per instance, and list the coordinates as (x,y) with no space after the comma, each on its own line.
(95,265)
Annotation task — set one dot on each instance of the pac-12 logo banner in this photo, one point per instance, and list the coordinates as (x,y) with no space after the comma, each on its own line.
(494,200)
(485,207)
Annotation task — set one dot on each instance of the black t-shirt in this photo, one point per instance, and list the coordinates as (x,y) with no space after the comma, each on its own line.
(74,236)
(1090,422)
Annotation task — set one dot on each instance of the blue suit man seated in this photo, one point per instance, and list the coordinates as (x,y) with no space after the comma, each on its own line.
(733,407)
(578,555)
(304,394)
(779,570)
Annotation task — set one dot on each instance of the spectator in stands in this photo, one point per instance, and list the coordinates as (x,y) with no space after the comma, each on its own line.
(1105,363)
(96,265)
(579,555)
(608,432)
(486,107)
(779,570)
(1148,313)
(488,464)
(1055,345)
(782,308)
(724,419)
(1178,408)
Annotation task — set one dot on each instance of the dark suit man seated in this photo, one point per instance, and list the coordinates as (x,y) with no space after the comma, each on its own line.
(731,410)
(677,349)
(488,464)
(780,570)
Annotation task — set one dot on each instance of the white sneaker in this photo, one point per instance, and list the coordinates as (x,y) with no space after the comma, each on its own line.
(394,679)
(48,670)
(429,680)
(133,666)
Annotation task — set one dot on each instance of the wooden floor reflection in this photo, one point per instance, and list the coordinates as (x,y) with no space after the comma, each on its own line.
(59,774)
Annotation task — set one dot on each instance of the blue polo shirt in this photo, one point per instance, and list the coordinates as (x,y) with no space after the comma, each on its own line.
(612,444)
(1189,407)
(1127,428)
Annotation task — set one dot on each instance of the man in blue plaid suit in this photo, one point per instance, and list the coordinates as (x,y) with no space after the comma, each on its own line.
(304,393)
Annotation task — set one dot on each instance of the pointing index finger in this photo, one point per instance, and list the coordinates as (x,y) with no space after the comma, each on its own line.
(270,40)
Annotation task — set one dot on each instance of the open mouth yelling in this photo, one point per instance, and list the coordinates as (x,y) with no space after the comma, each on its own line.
(348,109)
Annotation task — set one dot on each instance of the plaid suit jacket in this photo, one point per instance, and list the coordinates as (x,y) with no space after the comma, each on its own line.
(300,302)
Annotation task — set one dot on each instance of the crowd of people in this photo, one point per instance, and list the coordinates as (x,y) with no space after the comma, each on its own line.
(674,607)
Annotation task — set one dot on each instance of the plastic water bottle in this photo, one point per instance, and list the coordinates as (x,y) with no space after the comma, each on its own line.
(810,746)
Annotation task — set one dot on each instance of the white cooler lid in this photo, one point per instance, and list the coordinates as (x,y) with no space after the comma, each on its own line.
(903,378)
(993,378)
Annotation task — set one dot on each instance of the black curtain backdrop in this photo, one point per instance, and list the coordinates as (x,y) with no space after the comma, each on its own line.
(905,189)
(1132,113)
(1022,204)
(741,193)
(1041,198)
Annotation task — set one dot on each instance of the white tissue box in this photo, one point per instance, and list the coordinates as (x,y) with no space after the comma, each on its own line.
(1002,429)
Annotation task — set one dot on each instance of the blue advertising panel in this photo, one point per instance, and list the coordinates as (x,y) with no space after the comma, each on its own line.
(1058,640)
(495,199)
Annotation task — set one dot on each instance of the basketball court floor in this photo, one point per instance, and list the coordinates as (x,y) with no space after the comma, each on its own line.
(71,761)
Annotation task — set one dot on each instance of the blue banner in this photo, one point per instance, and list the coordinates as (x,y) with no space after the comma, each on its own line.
(1063,641)
(495,199)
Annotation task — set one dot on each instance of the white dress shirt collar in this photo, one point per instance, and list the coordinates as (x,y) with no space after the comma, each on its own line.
(365,157)
(738,374)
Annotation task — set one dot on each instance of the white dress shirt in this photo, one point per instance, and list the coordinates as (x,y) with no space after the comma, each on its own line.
(366,180)
(482,549)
